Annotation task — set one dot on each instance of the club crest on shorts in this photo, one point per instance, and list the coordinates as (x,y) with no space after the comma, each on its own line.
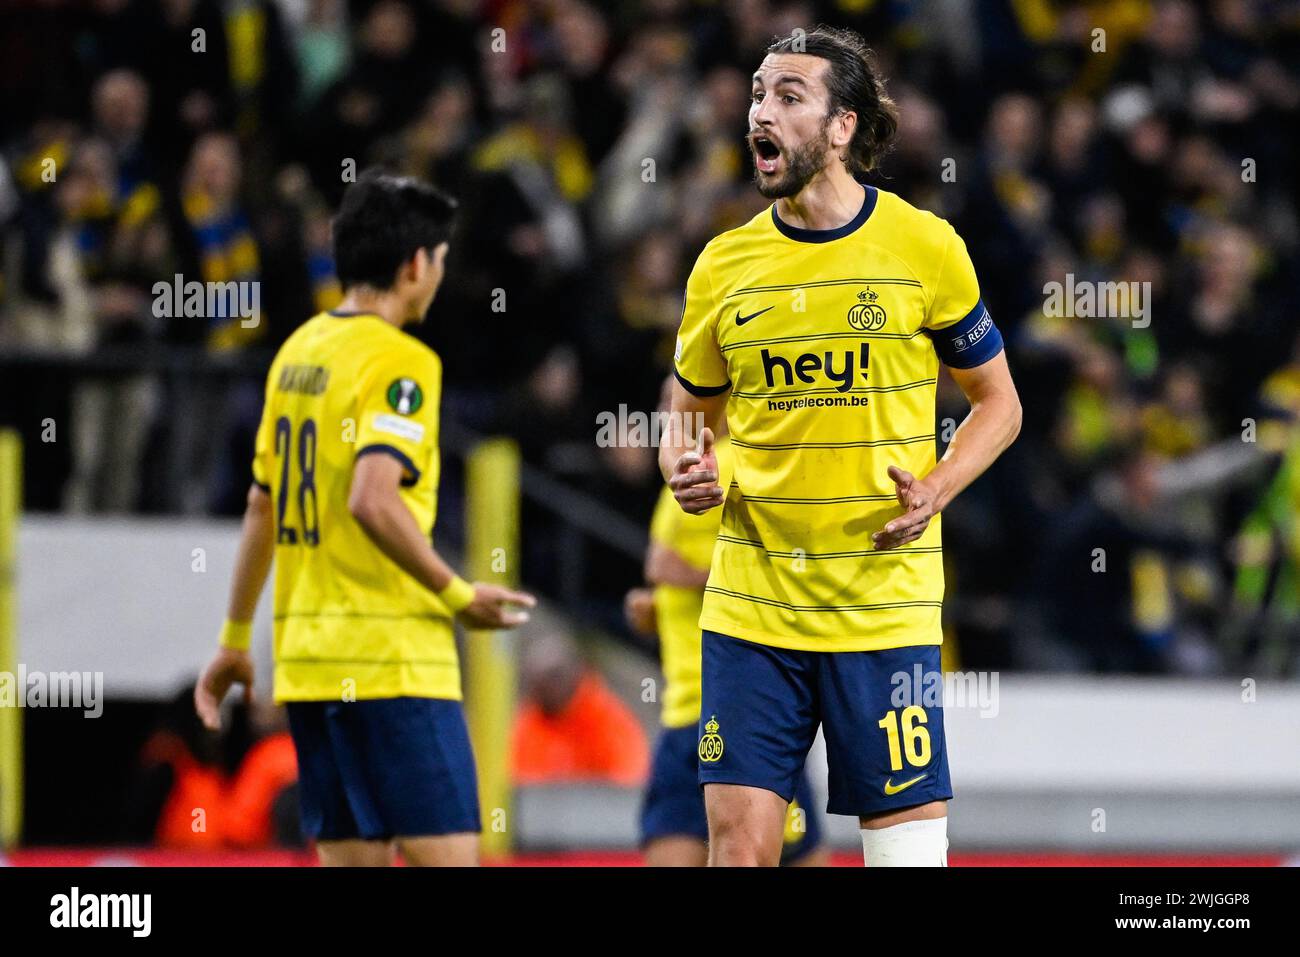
(405,396)
(711,742)
(865,315)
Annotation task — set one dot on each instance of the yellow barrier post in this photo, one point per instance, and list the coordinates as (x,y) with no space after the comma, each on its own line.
(492,555)
(11,719)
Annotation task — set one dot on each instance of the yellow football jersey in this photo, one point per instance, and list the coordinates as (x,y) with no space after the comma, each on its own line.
(677,609)
(829,343)
(349,623)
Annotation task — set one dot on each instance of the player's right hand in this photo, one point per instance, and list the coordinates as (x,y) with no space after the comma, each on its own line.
(695,477)
(493,607)
(229,667)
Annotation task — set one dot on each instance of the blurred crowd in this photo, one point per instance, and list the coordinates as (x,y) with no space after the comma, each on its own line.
(1145,521)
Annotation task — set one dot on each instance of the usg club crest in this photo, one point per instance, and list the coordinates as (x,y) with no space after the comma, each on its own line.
(866,315)
(405,396)
(711,742)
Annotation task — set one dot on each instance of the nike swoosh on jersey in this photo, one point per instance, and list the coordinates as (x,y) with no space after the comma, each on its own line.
(741,320)
(891,788)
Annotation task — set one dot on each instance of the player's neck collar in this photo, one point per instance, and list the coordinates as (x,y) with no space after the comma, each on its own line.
(802,235)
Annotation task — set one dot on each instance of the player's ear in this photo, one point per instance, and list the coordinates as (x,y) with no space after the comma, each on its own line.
(846,122)
(412,268)
(422,261)
(440,255)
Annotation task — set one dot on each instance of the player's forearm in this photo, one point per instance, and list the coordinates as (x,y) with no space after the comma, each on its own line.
(689,416)
(390,525)
(665,567)
(673,444)
(252,557)
(991,426)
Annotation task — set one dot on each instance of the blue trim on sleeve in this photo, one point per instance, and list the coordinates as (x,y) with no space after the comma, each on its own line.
(968,342)
(263,486)
(397,454)
(702,391)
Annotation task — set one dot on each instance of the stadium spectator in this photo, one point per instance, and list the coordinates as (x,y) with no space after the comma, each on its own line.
(196,790)
(572,728)
(595,149)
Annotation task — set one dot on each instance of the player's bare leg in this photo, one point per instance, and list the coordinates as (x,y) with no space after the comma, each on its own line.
(919,812)
(445,850)
(355,853)
(679,851)
(907,837)
(746,825)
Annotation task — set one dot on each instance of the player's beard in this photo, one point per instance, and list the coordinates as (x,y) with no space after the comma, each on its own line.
(801,165)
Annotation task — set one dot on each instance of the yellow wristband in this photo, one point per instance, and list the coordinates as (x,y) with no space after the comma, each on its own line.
(237,635)
(458,595)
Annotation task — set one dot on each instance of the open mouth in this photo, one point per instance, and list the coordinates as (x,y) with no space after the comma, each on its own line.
(766,154)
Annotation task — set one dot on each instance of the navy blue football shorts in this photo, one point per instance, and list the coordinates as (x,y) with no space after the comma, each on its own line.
(884,733)
(674,802)
(383,768)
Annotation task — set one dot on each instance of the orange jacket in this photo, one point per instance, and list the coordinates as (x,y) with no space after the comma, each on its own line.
(595,738)
(191,815)
(205,810)
(270,766)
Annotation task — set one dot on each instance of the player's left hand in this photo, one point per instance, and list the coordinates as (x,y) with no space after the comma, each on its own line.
(918,500)
(639,611)
(229,667)
(495,608)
